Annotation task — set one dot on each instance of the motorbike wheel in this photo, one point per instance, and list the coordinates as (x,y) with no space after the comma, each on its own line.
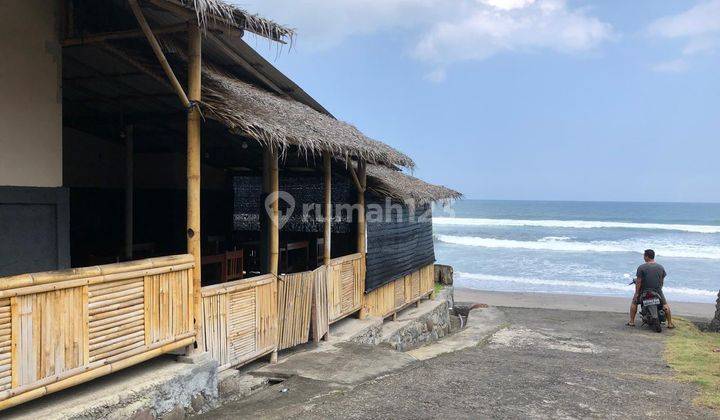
(658,326)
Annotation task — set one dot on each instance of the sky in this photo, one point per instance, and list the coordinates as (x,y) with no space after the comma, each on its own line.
(606,100)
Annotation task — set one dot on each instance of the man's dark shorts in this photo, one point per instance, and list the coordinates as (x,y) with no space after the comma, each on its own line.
(640,297)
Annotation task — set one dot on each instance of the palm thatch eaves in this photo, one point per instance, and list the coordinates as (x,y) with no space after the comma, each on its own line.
(280,122)
(397,185)
(231,15)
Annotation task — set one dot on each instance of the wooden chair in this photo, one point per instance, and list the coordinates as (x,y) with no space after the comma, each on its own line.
(234,265)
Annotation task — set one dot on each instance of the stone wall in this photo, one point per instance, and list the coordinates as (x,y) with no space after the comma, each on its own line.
(715,323)
(444,274)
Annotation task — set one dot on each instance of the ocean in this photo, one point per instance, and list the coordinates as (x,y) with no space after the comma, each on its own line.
(584,248)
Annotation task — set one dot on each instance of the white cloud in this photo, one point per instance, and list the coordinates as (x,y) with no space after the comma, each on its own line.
(445,31)
(508,4)
(541,24)
(436,76)
(672,66)
(323,24)
(700,20)
(698,28)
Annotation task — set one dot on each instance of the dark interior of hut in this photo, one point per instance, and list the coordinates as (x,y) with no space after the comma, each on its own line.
(125,130)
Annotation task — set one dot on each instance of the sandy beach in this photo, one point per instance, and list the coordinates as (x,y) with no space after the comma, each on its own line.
(573,302)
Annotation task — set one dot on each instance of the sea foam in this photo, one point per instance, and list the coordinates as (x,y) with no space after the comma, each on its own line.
(574,224)
(666,250)
(586,285)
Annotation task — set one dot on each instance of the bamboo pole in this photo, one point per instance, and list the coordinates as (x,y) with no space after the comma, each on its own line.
(272,182)
(362,181)
(274,240)
(361,227)
(137,11)
(193,173)
(327,203)
(129,192)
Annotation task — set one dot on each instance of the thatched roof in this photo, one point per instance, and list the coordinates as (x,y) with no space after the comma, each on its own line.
(280,122)
(229,14)
(395,184)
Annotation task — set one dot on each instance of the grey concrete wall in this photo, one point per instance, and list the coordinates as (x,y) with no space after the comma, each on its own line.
(30,102)
(34,229)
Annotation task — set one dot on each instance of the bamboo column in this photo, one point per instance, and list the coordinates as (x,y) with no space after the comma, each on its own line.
(193,171)
(327,204)
(129,184)
(274,240)
(362,180)
(271,185)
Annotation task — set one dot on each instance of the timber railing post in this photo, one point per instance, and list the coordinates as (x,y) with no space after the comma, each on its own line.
(193,171)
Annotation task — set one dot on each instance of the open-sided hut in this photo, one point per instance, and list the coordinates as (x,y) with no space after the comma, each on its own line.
(144,149)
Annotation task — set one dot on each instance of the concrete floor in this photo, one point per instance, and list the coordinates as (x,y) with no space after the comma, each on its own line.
(541,363)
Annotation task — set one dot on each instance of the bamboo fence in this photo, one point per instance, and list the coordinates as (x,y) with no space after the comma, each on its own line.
(240,319)
(345,286)
(390,298)
(62,328)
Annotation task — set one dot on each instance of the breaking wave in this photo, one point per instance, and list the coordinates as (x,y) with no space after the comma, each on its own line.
(574,224)
(607,286)
(667,250)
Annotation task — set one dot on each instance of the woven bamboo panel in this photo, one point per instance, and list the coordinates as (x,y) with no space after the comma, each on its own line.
(267,317)
(48,328)
(294,308)
(5,345)
(320,322)
(167,306)
(240,319)
(215,327)
(345,285)
(395,295)
(117,319)
(399,287)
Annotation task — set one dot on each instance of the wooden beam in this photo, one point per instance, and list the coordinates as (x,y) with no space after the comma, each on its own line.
(193,173)
(129,193)
(158,51)
(327,203)
(356,180)
(139,93)
(134,63)
(115,35)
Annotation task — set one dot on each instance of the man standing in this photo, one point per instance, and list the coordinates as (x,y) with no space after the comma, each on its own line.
(650,276)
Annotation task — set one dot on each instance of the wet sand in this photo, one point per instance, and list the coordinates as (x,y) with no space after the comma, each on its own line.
(573,302)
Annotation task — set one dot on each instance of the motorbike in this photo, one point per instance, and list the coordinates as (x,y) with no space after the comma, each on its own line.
(651,309)
(652,312)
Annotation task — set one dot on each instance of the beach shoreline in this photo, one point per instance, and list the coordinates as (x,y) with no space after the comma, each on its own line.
(571,302)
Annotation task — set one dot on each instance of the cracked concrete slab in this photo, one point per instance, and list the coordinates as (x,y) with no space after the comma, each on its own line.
(345,363)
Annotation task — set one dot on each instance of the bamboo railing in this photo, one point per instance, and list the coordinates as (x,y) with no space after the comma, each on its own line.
(240,319)
(246,319)
(345,286)
(395,295)
(62,328)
